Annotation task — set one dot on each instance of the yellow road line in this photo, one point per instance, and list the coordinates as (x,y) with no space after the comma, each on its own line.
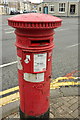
(63,78)
(9,99)
(53,81)
(15,96)
(9,90)
(57,85)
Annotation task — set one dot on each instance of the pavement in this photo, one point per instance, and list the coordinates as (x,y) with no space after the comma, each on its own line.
(64,98)
(64,103)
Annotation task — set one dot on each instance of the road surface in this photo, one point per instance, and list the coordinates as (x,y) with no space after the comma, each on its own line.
(65,53)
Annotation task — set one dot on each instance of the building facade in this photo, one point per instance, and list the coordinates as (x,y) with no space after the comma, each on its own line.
(3,6)
(60,7)
(6,6)
(25,5)
(13,6)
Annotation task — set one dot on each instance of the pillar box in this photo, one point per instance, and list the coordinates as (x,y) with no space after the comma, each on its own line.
(34,42)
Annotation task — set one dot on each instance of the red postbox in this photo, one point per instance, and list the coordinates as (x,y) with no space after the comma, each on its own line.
(34,42)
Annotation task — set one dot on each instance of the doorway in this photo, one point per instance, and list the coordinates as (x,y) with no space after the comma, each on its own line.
(45,10)
(72,9)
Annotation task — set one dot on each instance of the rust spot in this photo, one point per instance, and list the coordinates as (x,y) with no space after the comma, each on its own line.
(72,73)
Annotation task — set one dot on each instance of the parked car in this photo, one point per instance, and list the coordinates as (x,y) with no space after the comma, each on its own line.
(21,11)
(17,12)
(14,12)
(33,11)
(25,11)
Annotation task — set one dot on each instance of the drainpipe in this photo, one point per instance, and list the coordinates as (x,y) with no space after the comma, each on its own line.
(67,9)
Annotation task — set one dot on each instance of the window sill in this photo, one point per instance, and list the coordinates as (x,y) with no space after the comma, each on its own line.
(51,12)
(61,12)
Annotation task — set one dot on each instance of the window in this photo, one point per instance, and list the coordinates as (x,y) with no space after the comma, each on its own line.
(51,8)
(61,7)
(39,8)
(2,10)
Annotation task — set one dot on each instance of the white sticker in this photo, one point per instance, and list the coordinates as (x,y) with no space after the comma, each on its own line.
(38,77)
(27,59)
(19,63)
(40,62)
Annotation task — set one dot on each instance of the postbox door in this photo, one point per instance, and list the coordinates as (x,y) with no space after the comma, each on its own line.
(34,62)
(34,66)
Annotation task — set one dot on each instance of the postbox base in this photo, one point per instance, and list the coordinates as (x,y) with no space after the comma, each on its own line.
(44,116)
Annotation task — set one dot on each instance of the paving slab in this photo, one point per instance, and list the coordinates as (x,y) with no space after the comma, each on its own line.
(60,106)
(58,109)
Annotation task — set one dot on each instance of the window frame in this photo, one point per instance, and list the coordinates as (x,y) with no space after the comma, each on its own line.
(50,9)
(72,13)
(62,7)
(40,9)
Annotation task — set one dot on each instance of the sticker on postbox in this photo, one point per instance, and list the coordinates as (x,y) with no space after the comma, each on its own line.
(38,77)
(27,59)
(19,63)
(40,62)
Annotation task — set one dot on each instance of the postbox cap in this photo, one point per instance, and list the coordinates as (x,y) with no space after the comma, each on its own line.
(34,21)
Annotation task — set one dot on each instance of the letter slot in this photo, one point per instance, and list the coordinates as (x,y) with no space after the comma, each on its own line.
(40,42)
